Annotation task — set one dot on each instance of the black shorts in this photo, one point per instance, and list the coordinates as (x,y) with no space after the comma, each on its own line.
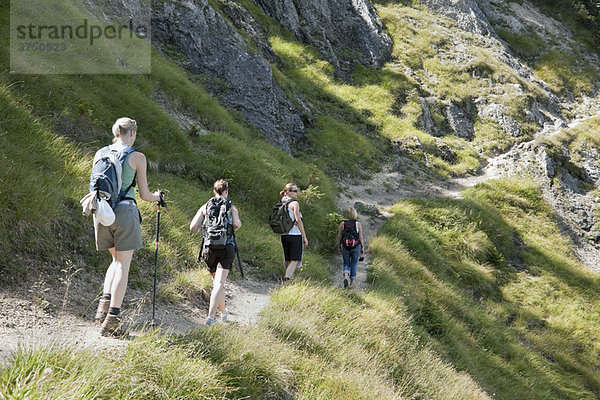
(214,257)
(292,247)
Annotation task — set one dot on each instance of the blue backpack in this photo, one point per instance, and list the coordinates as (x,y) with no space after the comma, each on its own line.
(105,179)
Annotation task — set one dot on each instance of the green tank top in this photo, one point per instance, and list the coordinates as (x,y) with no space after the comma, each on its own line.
(127,176)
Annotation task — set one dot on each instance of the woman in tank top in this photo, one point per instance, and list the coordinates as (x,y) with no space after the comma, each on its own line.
(295,239)
(125,234)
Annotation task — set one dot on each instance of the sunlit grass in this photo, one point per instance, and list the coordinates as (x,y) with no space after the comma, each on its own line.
(312,342)
(492,283)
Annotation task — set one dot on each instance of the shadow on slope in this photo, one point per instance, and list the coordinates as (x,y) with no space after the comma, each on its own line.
(493,285)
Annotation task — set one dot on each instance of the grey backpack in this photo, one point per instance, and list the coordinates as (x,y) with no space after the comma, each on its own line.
(217,230)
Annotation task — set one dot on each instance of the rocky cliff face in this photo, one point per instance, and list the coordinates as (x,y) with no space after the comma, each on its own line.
(346,32)
(479,19)
(567,186)
(241,80)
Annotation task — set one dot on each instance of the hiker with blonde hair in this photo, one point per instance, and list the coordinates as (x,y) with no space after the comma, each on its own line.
(219,219)
(294,240)
(350,244)
(124,236)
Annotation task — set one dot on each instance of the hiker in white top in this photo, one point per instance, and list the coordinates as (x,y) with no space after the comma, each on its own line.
(125,234)
(294,240)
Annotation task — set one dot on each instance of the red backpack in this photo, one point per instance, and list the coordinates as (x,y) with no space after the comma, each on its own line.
(350,236)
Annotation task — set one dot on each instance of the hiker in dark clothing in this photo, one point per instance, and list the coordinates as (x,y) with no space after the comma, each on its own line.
(218,218)
(125,234)
(350,244)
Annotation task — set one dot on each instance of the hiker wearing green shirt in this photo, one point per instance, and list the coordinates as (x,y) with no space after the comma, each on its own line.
(124,236)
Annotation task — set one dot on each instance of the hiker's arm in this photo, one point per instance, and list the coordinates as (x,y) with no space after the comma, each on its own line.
(137,161)
(198,219)
(235,215)
(295,206)
(360,236)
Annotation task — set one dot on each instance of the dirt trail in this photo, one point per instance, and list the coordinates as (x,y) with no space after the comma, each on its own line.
(33,315)
(374,199)
(28,320)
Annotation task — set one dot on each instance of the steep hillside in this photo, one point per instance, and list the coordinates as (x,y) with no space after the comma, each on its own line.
(491,296)
(493,285)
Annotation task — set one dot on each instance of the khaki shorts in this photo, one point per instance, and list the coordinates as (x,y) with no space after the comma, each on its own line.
(124,234)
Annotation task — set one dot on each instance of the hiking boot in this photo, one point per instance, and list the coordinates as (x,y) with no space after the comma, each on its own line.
(102,310)
(210,321)
(113,326)
(225,315)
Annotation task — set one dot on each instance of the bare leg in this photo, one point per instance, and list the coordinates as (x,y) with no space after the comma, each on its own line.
(217,297)
(121,275)
(110,273)
(221,304)
(291,268)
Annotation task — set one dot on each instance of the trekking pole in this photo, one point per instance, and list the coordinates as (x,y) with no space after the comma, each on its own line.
(158,204)
(237,252)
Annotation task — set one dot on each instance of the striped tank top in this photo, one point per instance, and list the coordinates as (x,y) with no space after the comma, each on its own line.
(127,174)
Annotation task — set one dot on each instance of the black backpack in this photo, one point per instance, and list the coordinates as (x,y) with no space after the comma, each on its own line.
(350,235)
(280,221)
(217,230)
(105,179)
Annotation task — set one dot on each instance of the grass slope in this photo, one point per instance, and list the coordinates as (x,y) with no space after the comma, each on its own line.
(492,285)
(468,297)
(57,121)
(314,342)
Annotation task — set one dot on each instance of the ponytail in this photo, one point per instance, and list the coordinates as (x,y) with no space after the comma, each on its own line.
(123,126)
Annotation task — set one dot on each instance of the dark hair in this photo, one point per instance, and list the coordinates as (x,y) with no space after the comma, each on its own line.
(221,186)
(287,188)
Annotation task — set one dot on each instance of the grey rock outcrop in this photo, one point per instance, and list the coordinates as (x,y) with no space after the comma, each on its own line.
(467,14)
(590,164)
(497,113)
(346,32)
(426,120)
(121,11)
(443,151)
(460,121)
(243,20)
(242,81)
